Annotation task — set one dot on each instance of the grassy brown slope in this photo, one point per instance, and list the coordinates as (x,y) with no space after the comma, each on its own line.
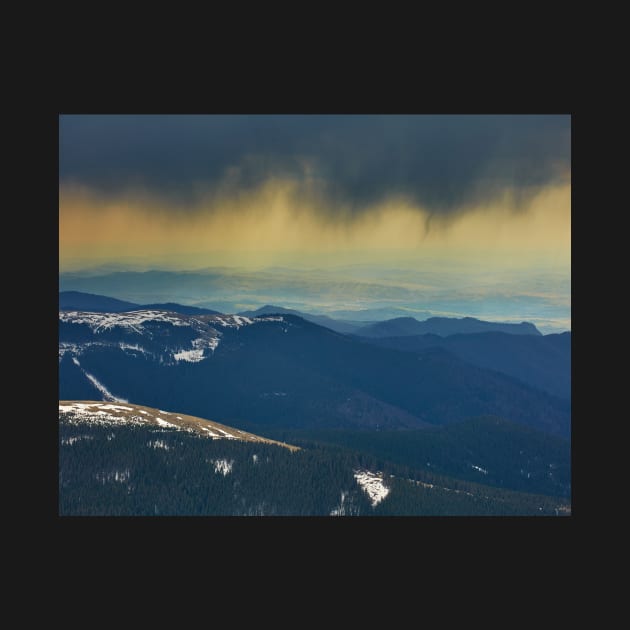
(152,417)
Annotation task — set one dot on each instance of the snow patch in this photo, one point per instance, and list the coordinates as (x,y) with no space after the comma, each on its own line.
(232,321)
(372,484)
(107,395)
(159,444)
(430,485)
(64,347)
(341,509)
(192,356)
(120,476)
(225,434)
(480,469)
(223,466)
(238,321)
(210,343)
(72,407)
(198,352)
(77,349)
(242,321)
(93,413)
(163,423)
(71,440)
(132,347)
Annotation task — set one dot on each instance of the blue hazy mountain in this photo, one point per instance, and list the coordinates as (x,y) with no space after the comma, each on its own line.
(541,361)
(184,309)
(442,326)
(284,371)
(322,320)
(372,315)
(78,301)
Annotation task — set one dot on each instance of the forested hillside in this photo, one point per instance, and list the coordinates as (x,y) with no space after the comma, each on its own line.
(486,450)
(142,470)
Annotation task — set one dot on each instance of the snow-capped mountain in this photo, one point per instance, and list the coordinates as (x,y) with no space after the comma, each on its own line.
(164,336)
(280,370)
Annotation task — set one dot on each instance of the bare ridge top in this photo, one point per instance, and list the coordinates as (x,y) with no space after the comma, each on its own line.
(100,412)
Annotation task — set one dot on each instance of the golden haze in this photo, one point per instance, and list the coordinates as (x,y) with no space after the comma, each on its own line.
(257,226)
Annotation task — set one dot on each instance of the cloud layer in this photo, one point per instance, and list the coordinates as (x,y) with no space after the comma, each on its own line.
(344,164)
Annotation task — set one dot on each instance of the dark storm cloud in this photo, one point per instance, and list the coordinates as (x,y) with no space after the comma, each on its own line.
(441,162)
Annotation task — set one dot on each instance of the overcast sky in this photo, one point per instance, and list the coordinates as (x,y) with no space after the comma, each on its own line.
(442,163)
(187,192)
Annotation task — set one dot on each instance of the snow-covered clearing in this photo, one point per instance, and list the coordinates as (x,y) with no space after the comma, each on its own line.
(480,469)
(222,466)
(372,484)
(107,395)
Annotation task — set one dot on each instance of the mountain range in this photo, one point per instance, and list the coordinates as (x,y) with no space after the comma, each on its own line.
(78,301)
(284,371)
(399,326)
(441,326)
(363,294)
(473,423)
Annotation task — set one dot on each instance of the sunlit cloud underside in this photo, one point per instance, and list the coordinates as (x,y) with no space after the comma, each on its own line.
(272,224)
